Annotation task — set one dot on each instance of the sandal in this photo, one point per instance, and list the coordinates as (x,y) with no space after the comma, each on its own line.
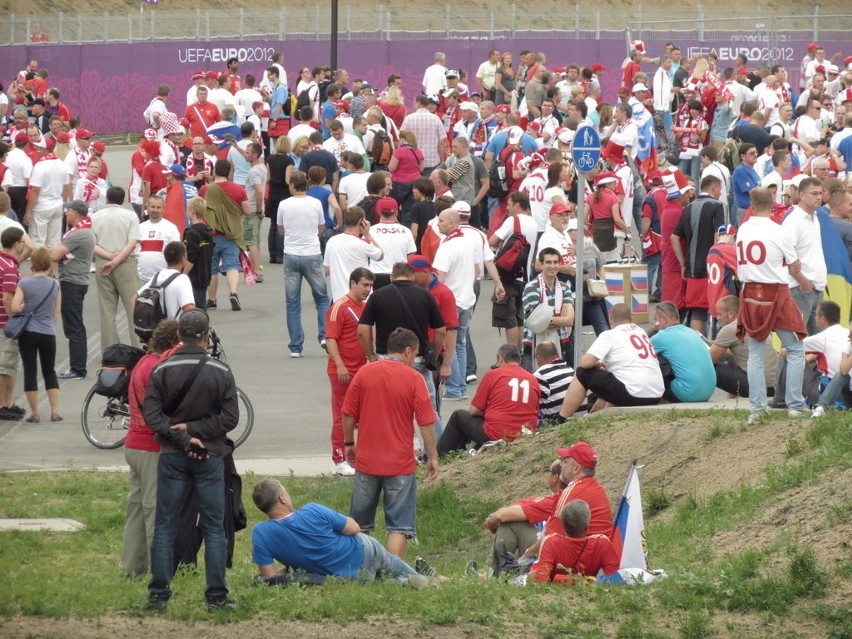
(56,417)
(33,418)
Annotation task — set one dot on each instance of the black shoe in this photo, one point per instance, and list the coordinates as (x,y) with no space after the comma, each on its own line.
(157,604)
(423,568)
(211,304)
(235,302)
(8,415)
(69,375)
(223,604)
(17,410)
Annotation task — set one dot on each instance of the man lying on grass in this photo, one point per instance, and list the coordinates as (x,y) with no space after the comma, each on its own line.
(318,541)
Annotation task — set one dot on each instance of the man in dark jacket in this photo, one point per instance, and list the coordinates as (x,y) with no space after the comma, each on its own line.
(191,404)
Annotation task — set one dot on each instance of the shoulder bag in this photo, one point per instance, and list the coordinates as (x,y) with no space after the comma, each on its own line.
(17,324)
(430,360)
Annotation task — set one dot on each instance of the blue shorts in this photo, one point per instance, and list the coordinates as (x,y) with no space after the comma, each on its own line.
(226,255)
(400,502)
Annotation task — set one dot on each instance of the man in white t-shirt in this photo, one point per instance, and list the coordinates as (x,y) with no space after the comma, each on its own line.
(246,97)
(155,234)
(485,75)
(341,141)
(396,241)
(434,79)
(353,187)
(303,129)
(630,375)
(50,185)
(301,221)
(177,295)
(349,250)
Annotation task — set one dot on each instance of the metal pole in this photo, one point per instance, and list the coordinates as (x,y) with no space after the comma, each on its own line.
(334,8)
(578,275)
(106,26)
(816,22)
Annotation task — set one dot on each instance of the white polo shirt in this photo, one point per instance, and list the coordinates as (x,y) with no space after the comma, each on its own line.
(51,177)
(455,258)
(804,231)
(19,168)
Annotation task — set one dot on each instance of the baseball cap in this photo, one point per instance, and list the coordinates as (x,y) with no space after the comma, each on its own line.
(559,209)
(22,136)
(387,205)
(639,86)
(197,75)
(462,208)
(832,68)
(84,134)
(605,177)
(63,137)
(469,106)
(597,67)
(581,453)
(419,263)
(476,93)
(848,62)
(505,109)
(535,126)
(366,85)
(451,93)
(726,229)
(451,73)
(212,75)
(193,323)
(77,205)
(176,169)
(149,134)
(564,135)
(98,146)
(515,134)
(812,45)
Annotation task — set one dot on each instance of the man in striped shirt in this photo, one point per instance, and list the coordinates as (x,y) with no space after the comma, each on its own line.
(554,376)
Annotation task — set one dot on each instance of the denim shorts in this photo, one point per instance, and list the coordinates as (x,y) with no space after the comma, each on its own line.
(227,252)
(400,501)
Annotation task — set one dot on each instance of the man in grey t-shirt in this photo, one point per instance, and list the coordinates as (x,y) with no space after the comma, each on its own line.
(74,254)
(255,187)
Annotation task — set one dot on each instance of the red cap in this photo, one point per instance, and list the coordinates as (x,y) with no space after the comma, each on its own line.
(560,69)
(605,177)
(84,134)
(212,75)
(22,136)
(198,75)
(581,453)
(63,137)
(613,151)
(655,178)
(151,147)
(99,146)
(419,263)
(559,209)
(847,61)
(387,205)
(597,67)
(812,45)
(743,71)
(51,143)
(820,68)
(503,108)
(535,126)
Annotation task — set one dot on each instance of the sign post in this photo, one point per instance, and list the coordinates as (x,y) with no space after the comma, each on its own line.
(586,153)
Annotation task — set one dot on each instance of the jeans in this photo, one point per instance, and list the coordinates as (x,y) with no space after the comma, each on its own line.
(295,268)
(837,390)
(691,168)
(795,372)
(807,303)
(176,472)
(433,396)
(399,500)
(655,275)
(594,315)
(72,325)
(377,560)
(456,386)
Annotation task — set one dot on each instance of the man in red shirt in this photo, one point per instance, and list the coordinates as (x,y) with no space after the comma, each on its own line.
(345,355)
(506,402)
(12,252)
(575,552)
(153,175)
(425,277)
(674,285)
(384,398)
(200,115)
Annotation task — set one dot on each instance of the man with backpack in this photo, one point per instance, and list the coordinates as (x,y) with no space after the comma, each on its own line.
(505,175)
(377,141)
(166,295)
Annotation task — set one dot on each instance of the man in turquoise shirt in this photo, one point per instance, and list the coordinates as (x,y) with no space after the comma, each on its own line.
(692,378)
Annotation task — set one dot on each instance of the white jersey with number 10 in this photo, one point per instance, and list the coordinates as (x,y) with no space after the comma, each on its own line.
(763,251)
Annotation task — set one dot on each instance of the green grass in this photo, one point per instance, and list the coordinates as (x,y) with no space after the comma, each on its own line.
(709,592)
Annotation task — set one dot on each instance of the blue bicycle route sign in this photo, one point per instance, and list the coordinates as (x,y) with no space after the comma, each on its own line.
(586,150)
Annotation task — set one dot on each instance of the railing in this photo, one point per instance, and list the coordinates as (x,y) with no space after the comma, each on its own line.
(388,23)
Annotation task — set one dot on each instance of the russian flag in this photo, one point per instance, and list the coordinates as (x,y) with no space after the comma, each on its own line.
(629,528)
(219,130)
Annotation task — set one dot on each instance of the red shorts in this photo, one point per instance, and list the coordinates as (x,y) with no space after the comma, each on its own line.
(696,293)
(673,288)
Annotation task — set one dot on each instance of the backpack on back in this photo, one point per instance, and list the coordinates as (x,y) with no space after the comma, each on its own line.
(730,155)
(304,100)
(150,308)
(498,177)
(511,259)
(382,150)
(116,364)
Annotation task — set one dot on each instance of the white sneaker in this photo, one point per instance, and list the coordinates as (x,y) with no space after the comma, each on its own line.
(757,417)
(793,412)
(343,469)
(818,411)
(471,379)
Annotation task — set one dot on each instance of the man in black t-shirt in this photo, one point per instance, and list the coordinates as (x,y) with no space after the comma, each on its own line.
(198,239)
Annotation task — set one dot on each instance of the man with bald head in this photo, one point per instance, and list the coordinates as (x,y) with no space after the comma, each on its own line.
(620,368)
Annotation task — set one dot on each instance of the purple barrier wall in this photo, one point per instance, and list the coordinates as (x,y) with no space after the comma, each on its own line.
(110,85)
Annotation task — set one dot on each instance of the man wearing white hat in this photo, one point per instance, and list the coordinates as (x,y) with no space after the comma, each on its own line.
(466,126)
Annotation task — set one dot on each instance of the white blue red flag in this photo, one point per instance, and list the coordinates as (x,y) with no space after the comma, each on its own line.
(220,130)
(629,534)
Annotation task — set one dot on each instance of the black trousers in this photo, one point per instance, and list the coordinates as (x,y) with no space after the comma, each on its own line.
(42,346)
(462,428)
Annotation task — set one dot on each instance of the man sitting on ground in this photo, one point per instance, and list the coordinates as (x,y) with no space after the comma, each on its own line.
(730,355)
(319,541)
(553,376)
(576,552)
(620,368)
(692,378)
(506,401)
(516,525)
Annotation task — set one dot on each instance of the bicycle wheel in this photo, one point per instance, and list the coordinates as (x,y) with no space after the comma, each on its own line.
(105,420)
(244,426)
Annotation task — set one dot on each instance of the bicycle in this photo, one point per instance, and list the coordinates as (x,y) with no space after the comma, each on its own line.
(105,420)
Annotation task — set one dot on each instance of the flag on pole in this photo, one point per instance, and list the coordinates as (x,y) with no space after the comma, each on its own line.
(629,528)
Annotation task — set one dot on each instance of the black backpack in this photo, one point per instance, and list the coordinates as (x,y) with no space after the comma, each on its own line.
(382,148)
(498,178)
(303,100)
(150,308)
(117,362)
(511,259)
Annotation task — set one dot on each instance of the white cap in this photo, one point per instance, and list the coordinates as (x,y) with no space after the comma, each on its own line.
(564,135)
(469,106)
(832,68)
(515,134)
(640,87)
(461,207)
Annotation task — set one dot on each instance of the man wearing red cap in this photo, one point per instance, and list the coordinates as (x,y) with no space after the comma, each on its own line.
(506,402)
(818,61)
(192,92)
(677,197)
(630,375)
(806,61)
(154,174)
(396,240)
